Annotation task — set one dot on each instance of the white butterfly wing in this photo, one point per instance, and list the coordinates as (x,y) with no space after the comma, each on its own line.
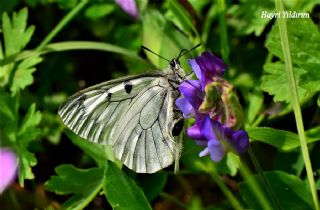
(135,115)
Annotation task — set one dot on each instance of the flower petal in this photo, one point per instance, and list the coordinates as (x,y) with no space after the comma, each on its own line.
(195,67)
(9,165)
(184,105)
(206,128)
(129,6)
(211,65)
(240,141)
(194,132)
(191,90)
(216,150)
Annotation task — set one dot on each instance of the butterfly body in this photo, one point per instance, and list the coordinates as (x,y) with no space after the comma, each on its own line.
(136,115)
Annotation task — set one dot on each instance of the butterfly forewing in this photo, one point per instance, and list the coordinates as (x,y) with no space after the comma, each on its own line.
(133,114)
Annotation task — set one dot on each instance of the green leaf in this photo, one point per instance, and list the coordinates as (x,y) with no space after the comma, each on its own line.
(290,191)
(15,32)
(161,37)
(311,80)
(16,36)
(121,191)
(28,131)
(255,100)
(281,139)
(96,11)
(304,40)
(177,14)
(152,184)
(100,153)
(275,82)
(248,19)
(23,74)
(7,111)
(84,184)
(248,14)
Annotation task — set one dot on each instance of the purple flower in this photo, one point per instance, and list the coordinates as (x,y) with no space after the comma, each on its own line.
(206,66)
(129,6)
(9,165)
(193,97)
(211,101)
(217,138)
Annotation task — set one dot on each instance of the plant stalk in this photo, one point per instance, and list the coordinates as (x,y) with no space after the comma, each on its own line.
(295,101)
(66,19)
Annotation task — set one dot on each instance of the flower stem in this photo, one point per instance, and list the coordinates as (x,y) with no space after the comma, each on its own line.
(234,202)
(62,24)
(173,200)
(264,179)
(295,102)
(223,30)
(254,186)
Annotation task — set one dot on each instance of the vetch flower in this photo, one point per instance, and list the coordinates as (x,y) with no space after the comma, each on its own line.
(206,67)
(193,97)
(212,102)
(129,6)
(218,139)
(8,168)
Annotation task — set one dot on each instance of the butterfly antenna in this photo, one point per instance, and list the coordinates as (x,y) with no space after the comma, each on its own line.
(184,51)
(154,53)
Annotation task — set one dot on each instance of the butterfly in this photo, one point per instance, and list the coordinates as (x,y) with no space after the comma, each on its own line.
(136,115)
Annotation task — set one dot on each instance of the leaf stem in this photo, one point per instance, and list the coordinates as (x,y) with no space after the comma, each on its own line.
(173,200)
(254,186)
(295,102)
(74,45)
(66,19)
(234,202)
(264,179)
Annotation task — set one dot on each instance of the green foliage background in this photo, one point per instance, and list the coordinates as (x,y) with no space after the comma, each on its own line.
(52,48)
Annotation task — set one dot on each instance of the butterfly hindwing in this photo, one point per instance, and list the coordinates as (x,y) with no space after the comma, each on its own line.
(133,114)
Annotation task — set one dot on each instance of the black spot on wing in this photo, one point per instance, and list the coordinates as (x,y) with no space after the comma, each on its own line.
(128,86)
(109,96)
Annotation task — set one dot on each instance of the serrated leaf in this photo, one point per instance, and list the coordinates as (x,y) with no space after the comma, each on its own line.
(248,16)
(281,139)
(7,113)
(84,184)
(121,191)
(28,131)
(15,32)
(275,82)
(290,191)
(311,80)
(16,35)
(23,74)
(304,40)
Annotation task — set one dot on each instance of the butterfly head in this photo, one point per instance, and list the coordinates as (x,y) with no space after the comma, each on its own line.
(175,64)
(177,70)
